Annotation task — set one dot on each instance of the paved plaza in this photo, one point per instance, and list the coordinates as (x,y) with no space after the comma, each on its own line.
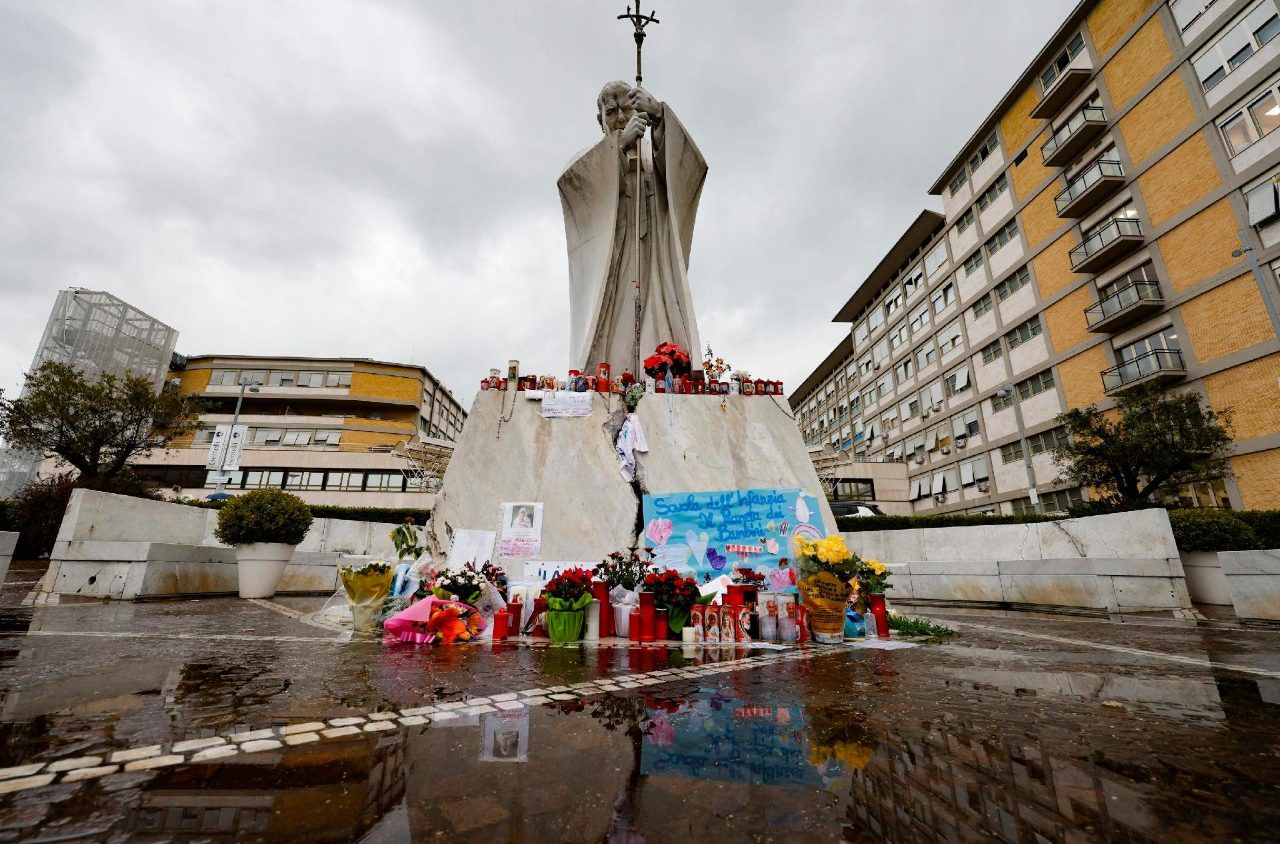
(221,718)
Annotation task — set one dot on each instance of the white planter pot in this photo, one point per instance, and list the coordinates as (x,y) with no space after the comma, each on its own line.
(260,565)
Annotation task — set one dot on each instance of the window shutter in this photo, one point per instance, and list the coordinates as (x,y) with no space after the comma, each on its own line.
(931,440)
(1263,204)
(966,473)
(939,483)
(962,379)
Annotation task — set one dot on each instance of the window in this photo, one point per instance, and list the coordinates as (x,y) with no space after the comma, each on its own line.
(304,480)
(1024,332)
(1050,74)
(1264,201)
(992,351)
(926,356)
(919,318)
(1046,440)
(910,408)
(899,335)
(864,365)
(337,379)
(1144,273)
(258,479)
(861,332)
(311,379)
(1252,121)
(1186,12)
(1006,287)
(1035,385)
(884,387)
(1050,502)
(1007,232)
(855,490)
(384,482)
(1238,43)
(880,351)
(224,378)
(1163,340)
(869,397)
(991,194)
(989,146)
(965,221)
(328,437)
(957,184)
(267,436)
(203,436)
(296,438)
(253,376)
(972,263)
(974,471)
(935,259)
(875,319)
(914,282)
(983,305)
(965,425)
(235,481)
(1011,453)
(949,337)
(889,419)
(958,381)
(914,448)
(905,370)
(943,297)
(346,480)
(893,302)
(931,396)
(281,379)
(1001,402)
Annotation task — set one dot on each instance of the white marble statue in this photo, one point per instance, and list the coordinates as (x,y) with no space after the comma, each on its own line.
(597,192)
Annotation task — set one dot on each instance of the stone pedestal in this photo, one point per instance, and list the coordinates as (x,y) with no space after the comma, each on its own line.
(696,444)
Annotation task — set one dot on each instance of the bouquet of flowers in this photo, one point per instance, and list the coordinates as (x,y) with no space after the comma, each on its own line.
(367,586)
(714,366)
(433,620)
(873,577)
(747,577)
(567,594)
(675,593)
(496,575)
(463,585)
(407,540)
(668,357)
(828,570)
(827,555)
(625,570)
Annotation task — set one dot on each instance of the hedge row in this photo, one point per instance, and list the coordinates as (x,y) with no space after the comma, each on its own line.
(856,524)
(382,515)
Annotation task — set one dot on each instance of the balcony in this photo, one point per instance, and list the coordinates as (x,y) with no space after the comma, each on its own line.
(1089,188)
(1159,365)
(1125,306)
(1109,243)
(1074,137)
(1069,83)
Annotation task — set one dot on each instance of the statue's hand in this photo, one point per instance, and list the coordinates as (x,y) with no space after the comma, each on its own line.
(642,101)
(634,130)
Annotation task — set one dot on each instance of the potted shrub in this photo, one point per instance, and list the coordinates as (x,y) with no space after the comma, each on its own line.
(264,526)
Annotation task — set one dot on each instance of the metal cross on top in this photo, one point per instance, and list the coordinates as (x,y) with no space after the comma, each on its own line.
(639,20)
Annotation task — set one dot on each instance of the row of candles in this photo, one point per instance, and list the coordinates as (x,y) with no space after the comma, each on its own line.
(693,383)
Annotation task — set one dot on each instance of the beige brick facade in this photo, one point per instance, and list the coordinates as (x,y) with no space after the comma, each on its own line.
(1031,173)
(1137,63)
(1158,119)
(1111,19)
(1040,217)
(1179,179)
(1017,124)
(1258,478)
(1228,318)
(1065,320)
(1081,377)
(1201,247)
(1248,391)
(1053,266)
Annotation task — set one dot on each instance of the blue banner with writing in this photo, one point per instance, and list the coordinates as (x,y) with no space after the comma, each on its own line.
(707,533)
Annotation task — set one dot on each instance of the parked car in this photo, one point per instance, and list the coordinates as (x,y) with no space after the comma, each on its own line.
(854,508)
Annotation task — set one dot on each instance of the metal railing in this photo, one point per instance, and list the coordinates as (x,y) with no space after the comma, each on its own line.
(1086,179)
(1144,365)
(1106,234)
(1123,298)
(1088,114)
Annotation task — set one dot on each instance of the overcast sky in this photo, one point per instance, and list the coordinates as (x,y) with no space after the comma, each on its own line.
(377,179)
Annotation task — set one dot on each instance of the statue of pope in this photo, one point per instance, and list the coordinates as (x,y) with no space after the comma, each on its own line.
(598,196)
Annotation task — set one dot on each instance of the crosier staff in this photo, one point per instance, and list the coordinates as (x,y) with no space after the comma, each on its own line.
(639,21)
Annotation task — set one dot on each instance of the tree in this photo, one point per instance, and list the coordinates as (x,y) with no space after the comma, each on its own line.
(97,426)
(1151,442)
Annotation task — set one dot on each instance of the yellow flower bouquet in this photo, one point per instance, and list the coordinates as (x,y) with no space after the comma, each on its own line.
(367,586)
(828,571)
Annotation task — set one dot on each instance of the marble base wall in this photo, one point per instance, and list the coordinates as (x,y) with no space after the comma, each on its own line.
(1112,564)
(8,541)
(1254,580)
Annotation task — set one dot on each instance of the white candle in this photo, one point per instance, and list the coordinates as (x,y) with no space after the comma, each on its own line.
(593,622)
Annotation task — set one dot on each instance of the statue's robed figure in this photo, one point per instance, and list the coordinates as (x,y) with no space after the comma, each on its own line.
(598,195)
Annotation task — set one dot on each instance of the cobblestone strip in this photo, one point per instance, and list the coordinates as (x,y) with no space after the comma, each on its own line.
(38,774)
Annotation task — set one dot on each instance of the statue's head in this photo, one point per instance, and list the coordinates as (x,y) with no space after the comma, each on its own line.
(613,107)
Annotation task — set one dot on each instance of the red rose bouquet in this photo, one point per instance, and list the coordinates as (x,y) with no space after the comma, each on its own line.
(675,593)
(567,594)
(748,577)
(668,357)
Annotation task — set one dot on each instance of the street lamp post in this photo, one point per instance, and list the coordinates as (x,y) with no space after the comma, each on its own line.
(1008,390)
(235,420)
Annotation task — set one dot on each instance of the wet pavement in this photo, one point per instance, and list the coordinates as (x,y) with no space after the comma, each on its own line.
(223,719)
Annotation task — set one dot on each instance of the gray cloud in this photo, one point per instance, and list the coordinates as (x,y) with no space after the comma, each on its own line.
(378,179)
